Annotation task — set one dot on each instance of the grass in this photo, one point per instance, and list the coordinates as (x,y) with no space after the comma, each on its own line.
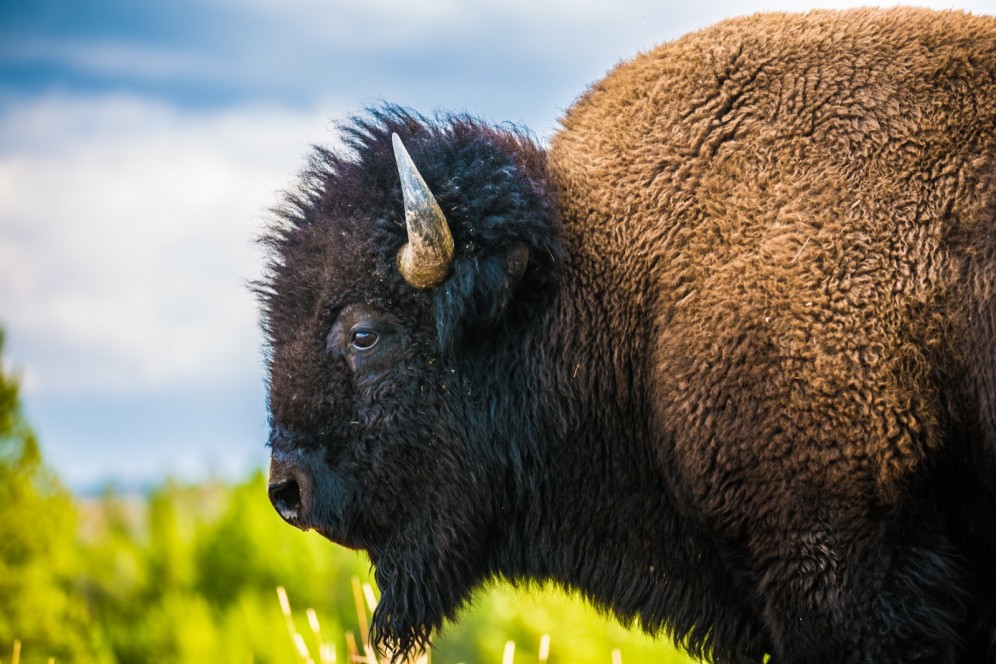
(363,652)
(355,652)
(15,658)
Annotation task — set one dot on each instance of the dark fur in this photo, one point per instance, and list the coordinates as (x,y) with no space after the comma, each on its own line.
(744,391)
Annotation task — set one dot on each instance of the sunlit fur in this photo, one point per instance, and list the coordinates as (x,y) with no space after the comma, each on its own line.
(744,392)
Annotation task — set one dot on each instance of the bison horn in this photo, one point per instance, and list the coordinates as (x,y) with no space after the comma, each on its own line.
(426,257)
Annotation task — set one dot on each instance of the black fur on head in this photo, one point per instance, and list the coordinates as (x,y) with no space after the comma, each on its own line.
(491,182)
(387,446)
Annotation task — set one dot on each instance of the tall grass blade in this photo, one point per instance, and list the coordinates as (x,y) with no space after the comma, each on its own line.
(296,638)
(368,593)
(509,655)
(544,650)
(302,647)
(351,651)
(361,612)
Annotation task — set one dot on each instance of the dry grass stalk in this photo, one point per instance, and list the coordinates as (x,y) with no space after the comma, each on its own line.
(616,656)
(326,651)
(798,253)
(368,593)
(544,650)
(16,657)
(509,656)
(352,654)
(286,610)
(327,654)
(302,649)
(299,645)
(361,612)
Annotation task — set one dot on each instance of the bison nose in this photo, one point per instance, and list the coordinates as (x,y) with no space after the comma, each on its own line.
(289,490)
(286,499)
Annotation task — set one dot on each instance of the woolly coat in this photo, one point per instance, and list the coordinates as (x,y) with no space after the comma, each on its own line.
(800,209)
(817,215)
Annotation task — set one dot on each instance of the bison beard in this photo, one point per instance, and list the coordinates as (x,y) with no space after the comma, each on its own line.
(408,610)
(721,358)
(418,592)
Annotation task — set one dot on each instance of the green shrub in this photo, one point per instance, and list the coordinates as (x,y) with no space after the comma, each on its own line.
(39,604)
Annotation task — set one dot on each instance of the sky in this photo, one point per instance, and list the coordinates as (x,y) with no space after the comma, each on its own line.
(142,144)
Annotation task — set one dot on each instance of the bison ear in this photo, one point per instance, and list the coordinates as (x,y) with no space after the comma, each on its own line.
(481,293)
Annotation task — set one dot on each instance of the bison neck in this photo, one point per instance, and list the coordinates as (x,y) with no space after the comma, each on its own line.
(593,510)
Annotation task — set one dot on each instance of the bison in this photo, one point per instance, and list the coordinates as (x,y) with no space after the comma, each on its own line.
(721,357)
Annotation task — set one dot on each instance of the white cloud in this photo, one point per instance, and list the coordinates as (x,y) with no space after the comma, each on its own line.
(108,57)
(126,237)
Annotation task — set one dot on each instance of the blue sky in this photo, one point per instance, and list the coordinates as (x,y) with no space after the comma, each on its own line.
(141,144)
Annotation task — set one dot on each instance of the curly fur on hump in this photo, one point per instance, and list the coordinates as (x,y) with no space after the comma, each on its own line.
(804,198)
(743,392)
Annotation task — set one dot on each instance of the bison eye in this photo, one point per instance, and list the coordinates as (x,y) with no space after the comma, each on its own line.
(361,334)
(363,339)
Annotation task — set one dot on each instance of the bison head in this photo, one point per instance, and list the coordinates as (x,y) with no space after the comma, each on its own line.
(399,294)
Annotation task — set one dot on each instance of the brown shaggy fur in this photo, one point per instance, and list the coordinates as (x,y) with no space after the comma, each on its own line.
(823,207)
(805,204)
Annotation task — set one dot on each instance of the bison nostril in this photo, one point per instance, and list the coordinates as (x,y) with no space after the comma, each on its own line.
(286,499)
